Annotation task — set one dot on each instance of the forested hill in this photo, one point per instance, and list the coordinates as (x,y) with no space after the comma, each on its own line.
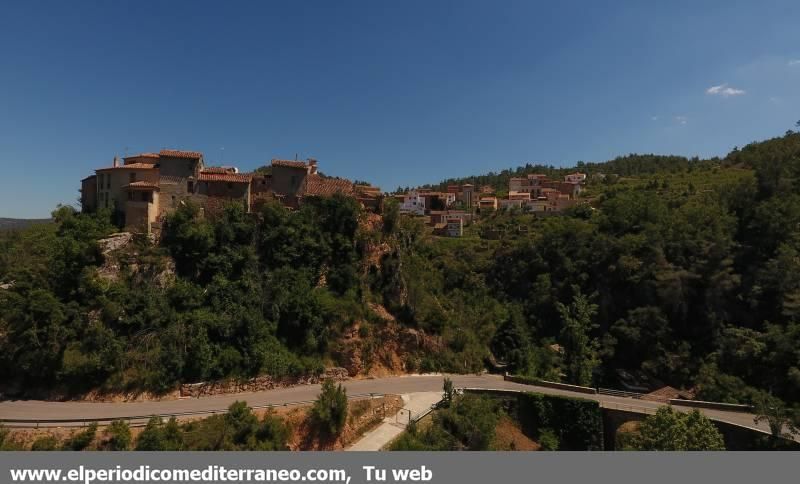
(637,164)
(629,165)
(683,273)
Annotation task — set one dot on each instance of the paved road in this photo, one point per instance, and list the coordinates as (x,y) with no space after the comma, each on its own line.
(32,409)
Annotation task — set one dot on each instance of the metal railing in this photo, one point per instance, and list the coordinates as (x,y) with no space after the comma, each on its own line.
(619,393)
(141,420)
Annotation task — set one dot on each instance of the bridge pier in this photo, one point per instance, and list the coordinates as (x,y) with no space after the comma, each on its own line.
(612,420)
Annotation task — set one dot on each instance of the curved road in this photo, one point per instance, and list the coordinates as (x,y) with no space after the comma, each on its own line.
(40,410)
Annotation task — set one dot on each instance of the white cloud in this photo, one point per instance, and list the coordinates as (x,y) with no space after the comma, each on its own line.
(724,91)
(681,119)
(653,118)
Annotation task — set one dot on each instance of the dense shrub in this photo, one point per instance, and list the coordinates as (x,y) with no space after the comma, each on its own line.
(81,439)
(160,436)
(45,443)
(118,435)
(238,429)
(6,442)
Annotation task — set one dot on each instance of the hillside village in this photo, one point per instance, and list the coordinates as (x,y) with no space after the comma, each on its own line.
(143,189)
(449,212)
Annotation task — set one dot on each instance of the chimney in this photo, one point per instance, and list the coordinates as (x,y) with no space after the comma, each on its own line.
(312,166)
(116,161)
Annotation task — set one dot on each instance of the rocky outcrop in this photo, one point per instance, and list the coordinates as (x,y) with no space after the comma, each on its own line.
(120,255)
(114,242)
(382,349)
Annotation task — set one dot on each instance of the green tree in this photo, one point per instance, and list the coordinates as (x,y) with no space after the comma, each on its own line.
(782,421)
(240,426)
(512,343)
(671,430)
(448,392)
(189,238)
(330,409)
(580,349)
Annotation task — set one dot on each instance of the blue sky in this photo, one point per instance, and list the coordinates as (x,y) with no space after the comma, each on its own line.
(396,93)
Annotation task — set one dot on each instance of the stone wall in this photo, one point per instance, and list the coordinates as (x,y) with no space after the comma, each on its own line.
(288,180)
(258,383)
(170,194)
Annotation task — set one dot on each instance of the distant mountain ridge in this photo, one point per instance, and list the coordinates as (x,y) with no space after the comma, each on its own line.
(21,223)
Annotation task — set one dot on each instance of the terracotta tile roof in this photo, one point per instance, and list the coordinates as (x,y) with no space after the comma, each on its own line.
(663,394)
(142,184)
(142,155)
(290,163)
(225,177)
(219,169)
(193,155)
(170,180)
(321,186)
(130,166)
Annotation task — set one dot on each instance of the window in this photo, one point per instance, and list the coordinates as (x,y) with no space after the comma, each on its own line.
(108,180)
(294,181)
(132,178)
(145,196)
(190,186)
(230,186)
(130,196)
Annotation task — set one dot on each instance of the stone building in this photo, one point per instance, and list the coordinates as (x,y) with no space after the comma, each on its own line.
(89,193)
(144,188)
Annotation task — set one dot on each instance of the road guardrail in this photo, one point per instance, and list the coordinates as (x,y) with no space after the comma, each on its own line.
(141,420)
